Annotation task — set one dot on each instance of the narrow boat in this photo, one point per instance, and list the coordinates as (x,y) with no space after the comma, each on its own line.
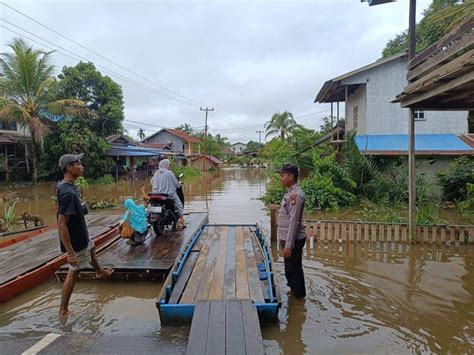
(221,262)
(19,236)
(27,264)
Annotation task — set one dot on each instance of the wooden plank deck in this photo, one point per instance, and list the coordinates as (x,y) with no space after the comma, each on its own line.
(225,269)
(27,255)
(148,261)
(225,327)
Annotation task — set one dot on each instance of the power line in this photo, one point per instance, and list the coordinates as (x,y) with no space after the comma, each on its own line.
(79,57)
(100,55)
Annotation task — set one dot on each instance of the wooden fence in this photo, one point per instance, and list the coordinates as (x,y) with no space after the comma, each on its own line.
(354,231)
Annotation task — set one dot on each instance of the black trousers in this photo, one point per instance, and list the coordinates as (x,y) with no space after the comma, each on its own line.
(294,268)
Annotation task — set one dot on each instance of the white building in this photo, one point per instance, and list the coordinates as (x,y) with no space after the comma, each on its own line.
(238,148)
(368,93)
(381,127)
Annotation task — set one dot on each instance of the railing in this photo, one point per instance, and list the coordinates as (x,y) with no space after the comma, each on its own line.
(355,231)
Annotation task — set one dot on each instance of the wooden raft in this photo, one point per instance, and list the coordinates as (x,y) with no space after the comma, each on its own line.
(148,261)
(222,266)
(27,255)
(225,327)
(222,262)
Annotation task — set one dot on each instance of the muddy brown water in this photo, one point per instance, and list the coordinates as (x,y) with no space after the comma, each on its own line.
(364,298)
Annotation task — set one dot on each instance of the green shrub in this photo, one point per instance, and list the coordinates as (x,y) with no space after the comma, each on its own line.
(454,181)
(97,204)
(329,185)
(275,191)
(105,180)
(466,208)
(188,172)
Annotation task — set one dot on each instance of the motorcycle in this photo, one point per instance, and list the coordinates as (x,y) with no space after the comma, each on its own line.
(162,212)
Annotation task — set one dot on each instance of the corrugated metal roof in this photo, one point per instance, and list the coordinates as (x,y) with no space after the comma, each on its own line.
(424,143)
(134,151)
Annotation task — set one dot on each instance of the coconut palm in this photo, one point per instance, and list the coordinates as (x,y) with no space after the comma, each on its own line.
(282,124)
(27,90)
(141,134)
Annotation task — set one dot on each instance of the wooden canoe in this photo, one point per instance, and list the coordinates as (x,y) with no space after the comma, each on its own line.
(24,235)
(37,276)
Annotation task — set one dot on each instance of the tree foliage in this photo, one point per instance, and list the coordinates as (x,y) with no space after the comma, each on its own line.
(186,128)
(329,185)
(77,136)
(28,94)
(214,144)
(441,17)
(253,146)
(281,124)
(454,181)
(102,95)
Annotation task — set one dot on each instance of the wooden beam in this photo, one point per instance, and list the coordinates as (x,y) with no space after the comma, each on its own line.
(414,100)
(435,47)
(444,71)
(442,57)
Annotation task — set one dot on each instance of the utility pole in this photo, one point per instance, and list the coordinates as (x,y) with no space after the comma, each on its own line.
(259,136)
(411,131)
(207,109)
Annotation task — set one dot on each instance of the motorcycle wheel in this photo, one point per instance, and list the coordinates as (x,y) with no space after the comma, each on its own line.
(159,229)
(174,225)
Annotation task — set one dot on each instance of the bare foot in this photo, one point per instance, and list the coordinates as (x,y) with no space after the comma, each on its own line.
(103,273)
(65,314)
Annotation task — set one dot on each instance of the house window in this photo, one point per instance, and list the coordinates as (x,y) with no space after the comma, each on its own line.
(8,126)
(419,115)
(355,116)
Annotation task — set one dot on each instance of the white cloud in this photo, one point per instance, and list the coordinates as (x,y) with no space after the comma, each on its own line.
(248,59)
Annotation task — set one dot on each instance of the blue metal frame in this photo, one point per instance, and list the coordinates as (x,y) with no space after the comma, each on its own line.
(183,313)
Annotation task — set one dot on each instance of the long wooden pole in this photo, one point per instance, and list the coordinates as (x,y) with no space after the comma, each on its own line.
(411,132)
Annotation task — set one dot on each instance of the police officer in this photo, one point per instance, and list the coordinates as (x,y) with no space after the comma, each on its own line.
(291,231)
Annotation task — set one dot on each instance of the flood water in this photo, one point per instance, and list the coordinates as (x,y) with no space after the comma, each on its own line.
(364,298)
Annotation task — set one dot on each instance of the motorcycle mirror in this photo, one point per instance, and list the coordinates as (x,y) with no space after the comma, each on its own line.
(181,175)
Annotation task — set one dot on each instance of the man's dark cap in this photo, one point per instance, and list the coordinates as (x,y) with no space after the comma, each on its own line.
(68,159)
(290,169)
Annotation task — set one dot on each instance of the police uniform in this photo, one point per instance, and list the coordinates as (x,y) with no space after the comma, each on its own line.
(292,235)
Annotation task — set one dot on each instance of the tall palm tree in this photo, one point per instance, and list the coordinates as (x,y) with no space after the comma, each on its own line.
(141,134)
(282,124)
(28,90)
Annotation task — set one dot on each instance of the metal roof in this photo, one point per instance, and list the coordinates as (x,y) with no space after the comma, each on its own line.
(134,151)
(425,144)
(334,90)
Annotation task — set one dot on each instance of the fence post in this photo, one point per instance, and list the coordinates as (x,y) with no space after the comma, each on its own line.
(273,223)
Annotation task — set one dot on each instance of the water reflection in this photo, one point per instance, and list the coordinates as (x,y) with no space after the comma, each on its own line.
(379,298)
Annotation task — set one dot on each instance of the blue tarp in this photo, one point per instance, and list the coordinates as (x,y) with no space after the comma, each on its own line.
(134,151)
(423,142)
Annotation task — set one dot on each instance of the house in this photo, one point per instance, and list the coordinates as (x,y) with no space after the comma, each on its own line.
(178,141)
(227,152)
(238,148)
(206,162)
(133,156)
(381,127)
(13,159)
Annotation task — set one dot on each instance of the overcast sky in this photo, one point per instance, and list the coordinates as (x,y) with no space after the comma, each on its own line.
(248,59)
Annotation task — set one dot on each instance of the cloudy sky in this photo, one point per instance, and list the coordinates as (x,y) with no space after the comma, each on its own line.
(247,59)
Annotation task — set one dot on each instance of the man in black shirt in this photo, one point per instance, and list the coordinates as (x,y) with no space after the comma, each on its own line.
(72,229)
